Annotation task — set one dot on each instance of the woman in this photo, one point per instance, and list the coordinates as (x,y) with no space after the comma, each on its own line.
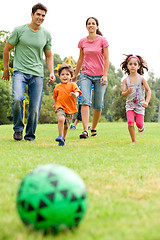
(94,57)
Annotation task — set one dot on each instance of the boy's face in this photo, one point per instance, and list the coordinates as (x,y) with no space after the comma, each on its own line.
(65,76)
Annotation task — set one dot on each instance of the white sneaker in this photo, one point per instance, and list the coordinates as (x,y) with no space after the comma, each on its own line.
(141,130)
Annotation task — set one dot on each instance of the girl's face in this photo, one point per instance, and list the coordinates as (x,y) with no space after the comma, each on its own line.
(91,26)
(133,65)
(65,76)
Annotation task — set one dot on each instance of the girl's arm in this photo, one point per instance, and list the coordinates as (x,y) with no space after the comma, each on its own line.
(79,65)
(148,90)
(106,65)
(125,92)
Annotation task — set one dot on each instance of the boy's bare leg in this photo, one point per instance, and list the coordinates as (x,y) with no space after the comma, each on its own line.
(61,126)
(65,131)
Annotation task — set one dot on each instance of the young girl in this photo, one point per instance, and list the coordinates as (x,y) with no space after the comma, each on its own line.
(133,89)
(64,95)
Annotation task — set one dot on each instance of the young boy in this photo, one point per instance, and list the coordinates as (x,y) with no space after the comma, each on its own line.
(64,95)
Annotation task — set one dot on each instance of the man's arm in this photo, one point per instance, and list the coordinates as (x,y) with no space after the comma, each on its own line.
(50,65)
(6,52)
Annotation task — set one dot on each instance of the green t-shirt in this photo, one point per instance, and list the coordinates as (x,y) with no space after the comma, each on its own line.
(29,47)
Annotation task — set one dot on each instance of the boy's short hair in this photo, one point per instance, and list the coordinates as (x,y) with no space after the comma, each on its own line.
(66,66)
(39,6)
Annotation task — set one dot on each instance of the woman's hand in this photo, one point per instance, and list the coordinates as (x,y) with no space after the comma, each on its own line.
(73,79)
(103,80)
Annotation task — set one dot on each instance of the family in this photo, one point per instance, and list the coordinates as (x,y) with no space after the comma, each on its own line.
(31,41)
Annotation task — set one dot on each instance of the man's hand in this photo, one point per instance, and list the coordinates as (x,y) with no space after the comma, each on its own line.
(52,78)
(6,75)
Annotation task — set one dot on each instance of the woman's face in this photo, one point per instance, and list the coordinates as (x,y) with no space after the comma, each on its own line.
(91,26)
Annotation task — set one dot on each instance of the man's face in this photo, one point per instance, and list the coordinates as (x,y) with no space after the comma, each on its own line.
(38,17)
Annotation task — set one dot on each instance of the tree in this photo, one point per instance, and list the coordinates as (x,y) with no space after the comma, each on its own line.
(5,101)
(47,114)
(118,106)
(155,89)
(3,39)
(113,79)
(157,92)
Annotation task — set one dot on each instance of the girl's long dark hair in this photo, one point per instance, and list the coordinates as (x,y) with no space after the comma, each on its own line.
(96,20)
(142,63)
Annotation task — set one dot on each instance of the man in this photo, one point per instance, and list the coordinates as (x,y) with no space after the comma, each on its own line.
(30,41)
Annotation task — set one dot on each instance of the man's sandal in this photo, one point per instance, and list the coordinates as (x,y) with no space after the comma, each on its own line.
(84,135)
(93,133)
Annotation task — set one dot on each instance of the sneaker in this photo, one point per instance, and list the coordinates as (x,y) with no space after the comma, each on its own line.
(61,143)
(89,127)
(141,130)
(18,135)
(72,127)
(60,139)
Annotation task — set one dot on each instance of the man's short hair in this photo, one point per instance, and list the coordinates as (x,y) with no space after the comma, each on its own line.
(39,6)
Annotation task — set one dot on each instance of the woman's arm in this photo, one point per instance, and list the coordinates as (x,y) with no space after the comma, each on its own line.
(79,65)
(106,66)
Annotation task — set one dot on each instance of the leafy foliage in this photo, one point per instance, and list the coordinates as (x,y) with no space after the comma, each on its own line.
(47,115)
(5,101)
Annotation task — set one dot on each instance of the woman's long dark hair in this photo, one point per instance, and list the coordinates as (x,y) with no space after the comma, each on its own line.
(97,23)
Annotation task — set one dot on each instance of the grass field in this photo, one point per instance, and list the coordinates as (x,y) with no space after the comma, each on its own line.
(123,180)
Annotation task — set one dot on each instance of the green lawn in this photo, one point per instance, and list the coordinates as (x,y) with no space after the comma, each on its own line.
(123,180)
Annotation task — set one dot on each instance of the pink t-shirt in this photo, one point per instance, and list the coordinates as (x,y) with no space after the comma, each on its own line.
(93,55)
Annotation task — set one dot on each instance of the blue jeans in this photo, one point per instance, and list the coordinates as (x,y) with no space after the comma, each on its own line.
(35,92)
(86,82)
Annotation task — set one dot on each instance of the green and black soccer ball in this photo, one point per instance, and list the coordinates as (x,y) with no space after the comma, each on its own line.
(52,197)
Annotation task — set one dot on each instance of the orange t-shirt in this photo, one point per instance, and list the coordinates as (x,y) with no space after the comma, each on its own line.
(63,100)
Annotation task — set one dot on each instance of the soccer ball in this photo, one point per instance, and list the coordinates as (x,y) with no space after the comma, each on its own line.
(52,198)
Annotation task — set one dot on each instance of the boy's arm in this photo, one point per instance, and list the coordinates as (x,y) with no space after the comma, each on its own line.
(74,94)
(148,90)
(54,105)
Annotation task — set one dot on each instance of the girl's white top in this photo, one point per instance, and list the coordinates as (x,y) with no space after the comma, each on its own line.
(135,99)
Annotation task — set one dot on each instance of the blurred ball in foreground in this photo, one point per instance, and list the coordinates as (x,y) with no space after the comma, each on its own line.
(52,197)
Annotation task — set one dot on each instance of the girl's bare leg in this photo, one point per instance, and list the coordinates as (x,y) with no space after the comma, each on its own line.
(132,134)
